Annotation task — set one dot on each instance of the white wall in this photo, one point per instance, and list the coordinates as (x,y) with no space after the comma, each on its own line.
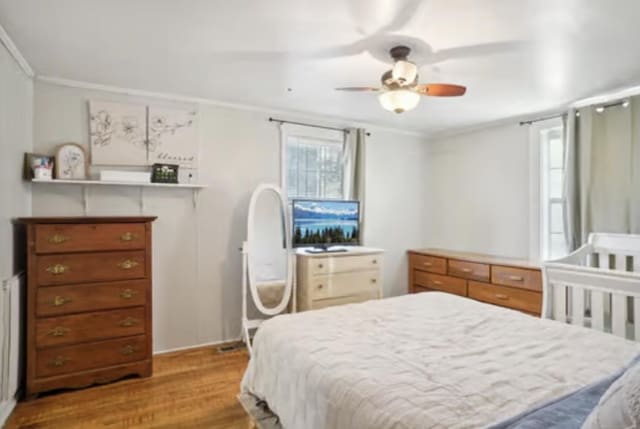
(477,191)
(16,113)
(197,270)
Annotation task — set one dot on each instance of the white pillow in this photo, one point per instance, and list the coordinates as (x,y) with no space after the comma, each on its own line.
(619,407)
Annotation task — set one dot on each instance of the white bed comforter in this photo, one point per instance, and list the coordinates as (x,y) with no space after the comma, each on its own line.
(430,360)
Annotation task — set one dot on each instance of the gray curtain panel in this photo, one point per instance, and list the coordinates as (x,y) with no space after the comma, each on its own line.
(354,170)
(602,172)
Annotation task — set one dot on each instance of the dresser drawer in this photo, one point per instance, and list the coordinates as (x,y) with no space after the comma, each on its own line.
(89,267)
(64,360)
(442,283)
(341,264)
(78,328)
(345,284)
(352,299)
(517,277)
(428,263)
(52,238)
(57,300)
(518,299)
(469,270)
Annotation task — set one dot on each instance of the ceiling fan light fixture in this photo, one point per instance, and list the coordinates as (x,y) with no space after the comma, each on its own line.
(404,71)
(399,100)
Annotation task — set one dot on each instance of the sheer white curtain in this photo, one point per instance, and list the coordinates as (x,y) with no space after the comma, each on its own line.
(354,170)
(603,171)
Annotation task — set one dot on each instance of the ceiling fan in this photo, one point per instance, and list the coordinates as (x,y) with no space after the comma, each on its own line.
(400,91)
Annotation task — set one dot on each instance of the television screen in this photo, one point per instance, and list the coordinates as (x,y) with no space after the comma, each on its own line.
(325,222)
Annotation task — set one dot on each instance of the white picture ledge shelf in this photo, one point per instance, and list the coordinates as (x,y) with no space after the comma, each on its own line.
(86,184)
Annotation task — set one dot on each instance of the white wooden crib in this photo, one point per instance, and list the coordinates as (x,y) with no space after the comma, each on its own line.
(597,286)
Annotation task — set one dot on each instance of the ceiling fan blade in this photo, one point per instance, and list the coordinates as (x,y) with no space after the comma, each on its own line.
(358,89)
(474,51)
(441,90)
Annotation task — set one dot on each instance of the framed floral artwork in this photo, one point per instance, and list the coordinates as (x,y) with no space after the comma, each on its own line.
(172,136)
(118,133)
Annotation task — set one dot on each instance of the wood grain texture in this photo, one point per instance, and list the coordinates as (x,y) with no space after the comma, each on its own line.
(70,343)
(469,270)
(85,219)
(189,389)
(58,238)
(504,281)
(68,268)
(59,300)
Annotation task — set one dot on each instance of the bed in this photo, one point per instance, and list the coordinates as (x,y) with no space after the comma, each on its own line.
(429,360)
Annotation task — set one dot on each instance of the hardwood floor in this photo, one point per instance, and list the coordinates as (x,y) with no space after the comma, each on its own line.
(189,389)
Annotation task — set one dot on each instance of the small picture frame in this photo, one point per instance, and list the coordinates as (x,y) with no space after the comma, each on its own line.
(71,162)
(37,166)
(164,173)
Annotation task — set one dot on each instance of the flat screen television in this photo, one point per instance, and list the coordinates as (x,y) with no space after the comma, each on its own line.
(325,223)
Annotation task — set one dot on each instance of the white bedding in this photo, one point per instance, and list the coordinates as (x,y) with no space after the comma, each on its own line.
(429,360)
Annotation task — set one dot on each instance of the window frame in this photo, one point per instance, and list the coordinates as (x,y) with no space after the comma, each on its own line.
(541,202)
(306,132)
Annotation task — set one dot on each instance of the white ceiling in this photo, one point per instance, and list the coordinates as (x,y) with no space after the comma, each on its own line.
(515,56)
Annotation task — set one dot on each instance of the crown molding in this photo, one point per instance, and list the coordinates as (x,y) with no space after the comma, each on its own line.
(321,119)
(607,97)
(15,53)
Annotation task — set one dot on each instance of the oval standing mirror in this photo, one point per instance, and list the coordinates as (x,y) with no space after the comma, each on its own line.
(269,261)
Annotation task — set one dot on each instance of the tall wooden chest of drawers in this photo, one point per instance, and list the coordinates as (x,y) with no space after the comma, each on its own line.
(88,300)
(507,282)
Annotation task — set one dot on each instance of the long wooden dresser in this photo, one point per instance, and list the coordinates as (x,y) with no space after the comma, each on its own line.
(507,282)
(88,300)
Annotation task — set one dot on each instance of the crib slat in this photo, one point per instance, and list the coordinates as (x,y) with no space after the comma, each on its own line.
(560,303)
(597,310)
(577,306)
(621,262)
(603,260)
(636,263)
(636,318)
(618,315)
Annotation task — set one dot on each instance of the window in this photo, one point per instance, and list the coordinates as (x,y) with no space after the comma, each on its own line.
(313,163)
(552,152)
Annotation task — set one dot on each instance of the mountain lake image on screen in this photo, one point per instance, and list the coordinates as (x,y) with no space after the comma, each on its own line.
(325,222)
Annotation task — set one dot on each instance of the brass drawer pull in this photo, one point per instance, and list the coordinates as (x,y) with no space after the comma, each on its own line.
(128,293)
(128,236)
(467,270)
(516,278)
(437,282)
(59,361)
(374,262)
(59,301)
(320,266)
(128,264)
(502,296)
(427,264)
(59,239)
(57,269)
(128,350)
(59,331)
(374,281)
(128,322)
(320,286)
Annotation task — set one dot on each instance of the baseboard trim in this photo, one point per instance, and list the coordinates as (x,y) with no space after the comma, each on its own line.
(6,408)
(197,346)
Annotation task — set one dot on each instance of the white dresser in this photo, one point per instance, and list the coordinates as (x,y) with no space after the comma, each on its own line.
(327,279)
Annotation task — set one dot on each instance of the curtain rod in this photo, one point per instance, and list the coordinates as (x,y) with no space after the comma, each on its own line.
(282,121)
(545,118)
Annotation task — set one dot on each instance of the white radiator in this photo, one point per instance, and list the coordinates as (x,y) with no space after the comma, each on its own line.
(10,294)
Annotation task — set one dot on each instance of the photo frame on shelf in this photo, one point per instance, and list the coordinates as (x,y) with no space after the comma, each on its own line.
(38,166)
(71,162)
(164,173)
